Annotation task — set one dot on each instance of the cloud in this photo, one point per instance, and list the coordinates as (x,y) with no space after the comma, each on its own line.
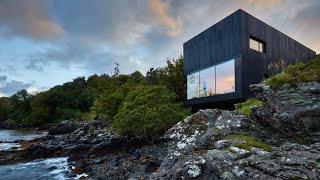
(137,34)
(265,3)
(8,88)
(28,19)
(9,69)
(160,10)
(35,64)
(3,79)
(32,90)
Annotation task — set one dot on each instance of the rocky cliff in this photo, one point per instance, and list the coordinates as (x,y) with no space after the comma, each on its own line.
(279,140)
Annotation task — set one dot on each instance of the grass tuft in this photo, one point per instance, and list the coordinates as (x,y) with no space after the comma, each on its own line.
(295,73)
(249,142)
(245,107)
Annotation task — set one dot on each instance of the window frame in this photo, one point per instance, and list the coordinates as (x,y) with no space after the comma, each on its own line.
(196,86)
(261,44)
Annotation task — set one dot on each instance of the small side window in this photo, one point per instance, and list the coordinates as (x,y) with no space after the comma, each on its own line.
(257,44)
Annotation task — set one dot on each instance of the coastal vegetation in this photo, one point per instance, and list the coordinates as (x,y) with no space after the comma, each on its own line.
(158,95)
(245,107)
(295,73)
(248,142)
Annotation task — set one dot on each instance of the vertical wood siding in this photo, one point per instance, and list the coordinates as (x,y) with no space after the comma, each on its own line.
(220,42)
(229,38)
(278,47)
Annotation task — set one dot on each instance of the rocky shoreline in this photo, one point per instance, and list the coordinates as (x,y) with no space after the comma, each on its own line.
(280,140)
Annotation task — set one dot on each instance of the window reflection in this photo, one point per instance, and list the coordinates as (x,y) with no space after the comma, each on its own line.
(207,82)
(225,77)
(218,79)
(254,44)
(193,85)
(257,45)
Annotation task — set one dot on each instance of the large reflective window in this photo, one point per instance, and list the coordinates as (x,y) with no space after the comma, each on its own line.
(207,82)
(193,87)
(218,79)
(225,77)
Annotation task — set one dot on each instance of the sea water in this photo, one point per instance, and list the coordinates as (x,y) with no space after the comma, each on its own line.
(7,137)
(53,168)
(42,169)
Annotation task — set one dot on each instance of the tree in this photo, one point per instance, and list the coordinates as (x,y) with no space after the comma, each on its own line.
(5,108)
(42,112)
(98,85)
(147,112)
(116,70)
(152,77)
(108,103)
(21,106)
(136,77)
(170,76)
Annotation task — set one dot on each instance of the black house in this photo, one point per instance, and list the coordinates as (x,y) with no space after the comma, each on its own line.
(221,62)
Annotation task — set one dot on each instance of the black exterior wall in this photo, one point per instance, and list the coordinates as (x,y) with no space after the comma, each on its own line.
(278,47)
(229,39)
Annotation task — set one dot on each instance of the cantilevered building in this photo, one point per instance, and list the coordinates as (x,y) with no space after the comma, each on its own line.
(221,62)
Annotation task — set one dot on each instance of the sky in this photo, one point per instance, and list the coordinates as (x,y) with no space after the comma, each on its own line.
(44,43)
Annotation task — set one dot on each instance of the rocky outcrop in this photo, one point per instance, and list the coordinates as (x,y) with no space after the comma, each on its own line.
(200,149)
(288,123)
(293,110)
(63,128)
(280,140)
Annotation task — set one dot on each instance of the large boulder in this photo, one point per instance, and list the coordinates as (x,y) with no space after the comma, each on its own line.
(190,151)
(293,110)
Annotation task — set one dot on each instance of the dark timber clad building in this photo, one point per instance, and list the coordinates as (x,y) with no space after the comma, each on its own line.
(221,62)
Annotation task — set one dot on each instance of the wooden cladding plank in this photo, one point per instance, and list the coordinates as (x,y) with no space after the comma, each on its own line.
(279,45)
(218,43)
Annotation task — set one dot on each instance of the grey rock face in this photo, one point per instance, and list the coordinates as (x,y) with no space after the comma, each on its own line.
(192,152)
(292,110)
(280,140)
(63,128)
(199,150)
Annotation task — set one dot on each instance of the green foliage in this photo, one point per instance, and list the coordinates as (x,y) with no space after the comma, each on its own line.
(21,106)
(101,95)
(98,85)
(298,72)
(5,108)
(40,111)
(108,103)
(245,107)
(170,76)
(87,116)
(249,142)
(147,112)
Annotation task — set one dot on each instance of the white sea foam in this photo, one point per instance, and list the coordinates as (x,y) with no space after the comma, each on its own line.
(8,146)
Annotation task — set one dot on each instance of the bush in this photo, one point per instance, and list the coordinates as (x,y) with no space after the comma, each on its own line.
(249,142)
(295,73)
(245,107)
(147,112)
(108,104)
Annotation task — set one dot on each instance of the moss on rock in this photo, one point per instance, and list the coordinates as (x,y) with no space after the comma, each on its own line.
(249,142)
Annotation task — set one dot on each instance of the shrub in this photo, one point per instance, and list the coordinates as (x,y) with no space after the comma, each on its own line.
(298,72)
(108,104)
(245,107)
(249,142)
(147,112)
